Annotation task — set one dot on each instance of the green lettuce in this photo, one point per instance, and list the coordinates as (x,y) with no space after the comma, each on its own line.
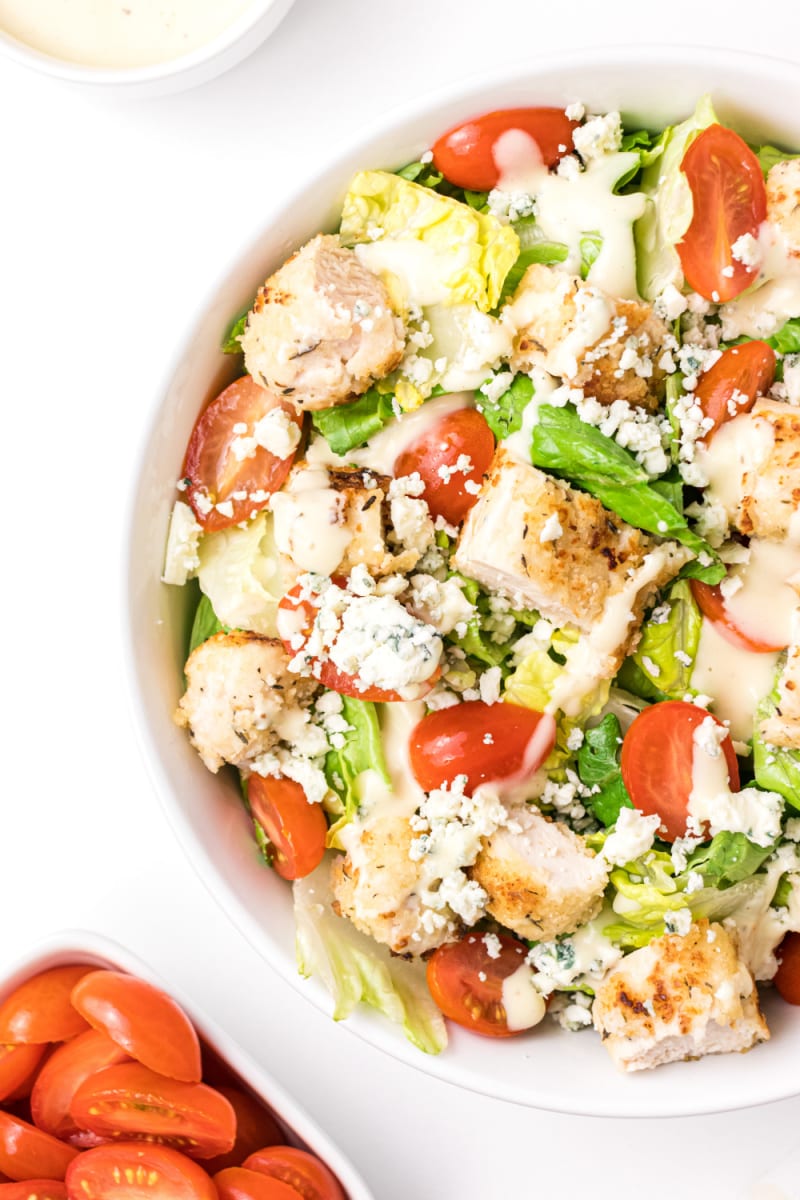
(478,642)
(669,211)
(205,625)
(533,682)
(787,339)
(230,342)
(769,156)
(362,751)
(568,446)
(426,175)
(776,768)
(532,250)
(504,415)
(468,254)
(348,426)
(598,767)
(590,246)
(728,858)
(241,575)
(355,969)
(662,640)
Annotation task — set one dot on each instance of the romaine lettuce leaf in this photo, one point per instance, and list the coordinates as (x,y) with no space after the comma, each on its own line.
(504,415)
(230,342)
(362,751)
(598,767)
(670,643)
(728,858)
(348,426)
(355,969)
(539,251)
(776,768)
(590,246)
(205,625)
(768,156)
(241,575)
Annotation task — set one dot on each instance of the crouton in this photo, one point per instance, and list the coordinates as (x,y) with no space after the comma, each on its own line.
(680,997)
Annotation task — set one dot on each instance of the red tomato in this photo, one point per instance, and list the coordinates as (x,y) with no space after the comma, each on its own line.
(39,1010)
(27,1153)
(17,1064)
(787,979)
(34,1189)
(453,741)
(255,1126)
(303,1172)
(465,154)
(435,456)
(729,200)
(214,472)
(740,375)
(236,1183)
(467,984)
(712,605)
(129,1170)
(656,762)
(130,1101)
(146,1022)
(295,828)
(61,1076)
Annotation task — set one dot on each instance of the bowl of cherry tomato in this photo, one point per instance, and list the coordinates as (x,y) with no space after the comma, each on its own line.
(652,87)
(111,1089)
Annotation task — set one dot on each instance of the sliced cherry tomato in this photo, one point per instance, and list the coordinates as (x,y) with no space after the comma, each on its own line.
(27,1153)
(733,383)
(295,828)
(236,1183)
(129,1171)
(465,155)
(467,984)
(729,200)
(787,979)
(34,1189)
(656,762)
(39,1010)
(215,474)
(255,1126)
(130,1101)
(17,1065)
(485,742)
(461,439)
(146,1022)
(712,605)
(301,1171)
(62,1075)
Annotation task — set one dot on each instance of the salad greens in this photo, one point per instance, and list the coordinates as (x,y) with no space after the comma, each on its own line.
(670,637)
(205,625)
(598,769)
(349,426)
(776,768)
(362,751)
(504,414)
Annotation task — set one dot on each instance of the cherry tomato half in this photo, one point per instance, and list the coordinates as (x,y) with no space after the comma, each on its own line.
(146,1022)
(214,471)
(467,984)
(237,1183)
(485,742)
(729,200)
(130,1101)
(62,1075)
(711,602)
(301,1171)
(656,762)
(255,1126)
(437,456)
(34,1189)
(466,154)
(295,828)
(787,979)
(732,384)
(27,1153)
(129,1171)
(39,1010)
(17,1064)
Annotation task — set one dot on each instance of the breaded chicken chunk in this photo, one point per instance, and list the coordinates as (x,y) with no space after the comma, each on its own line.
(783,202)
(238,684)
(540,877)
(322,328)
(783,728)
(608,347)
(680,997)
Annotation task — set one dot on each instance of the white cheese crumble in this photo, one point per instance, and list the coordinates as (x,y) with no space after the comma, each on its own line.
(277,433)
(551,530)
(600,135)
(753,812)
(678,921)
(631,837)
(183,542)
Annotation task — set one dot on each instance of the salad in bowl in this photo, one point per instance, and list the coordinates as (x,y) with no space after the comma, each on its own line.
(494,547)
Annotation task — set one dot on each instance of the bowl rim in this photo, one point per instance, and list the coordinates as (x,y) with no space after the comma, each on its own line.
(82,945)
(73,71)
(379,1034)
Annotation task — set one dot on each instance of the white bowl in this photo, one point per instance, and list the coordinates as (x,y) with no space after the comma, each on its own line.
(80,946)
(549,1069)
(236,42)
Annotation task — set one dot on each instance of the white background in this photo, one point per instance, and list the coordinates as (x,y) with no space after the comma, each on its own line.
(115,217)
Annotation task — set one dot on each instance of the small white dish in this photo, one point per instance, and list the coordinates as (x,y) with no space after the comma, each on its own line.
(239,39)
(550,1069)
(81,946)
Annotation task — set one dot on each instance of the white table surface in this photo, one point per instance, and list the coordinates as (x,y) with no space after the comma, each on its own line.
(115,216)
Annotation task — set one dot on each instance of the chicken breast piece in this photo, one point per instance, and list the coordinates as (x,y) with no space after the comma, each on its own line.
(237,686)
(753,464)
(783,202)
(783,728)
(608,347)
(680,997)
(322,328)
(541,878)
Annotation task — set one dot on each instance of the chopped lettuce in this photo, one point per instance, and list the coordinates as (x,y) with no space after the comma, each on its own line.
(728,858)
(241,575)
(776,768)
(205,625)
(480,641)
(504,414)
(669,210)
(421,239)
(667,650)
(230,342)
(362,751)
(787,339)
(427,176)
(532,684)
(348,426)
(356,969)
(598,767)
(590,246)
(769,156)
(533,250)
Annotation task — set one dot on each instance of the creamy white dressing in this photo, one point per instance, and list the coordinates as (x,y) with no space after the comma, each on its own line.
(308,522)
(402,796)
(470,342)
(519,444)
(762,310)
(739,446)
(524,1004)
(118,33)
(734,678)
(765,604)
